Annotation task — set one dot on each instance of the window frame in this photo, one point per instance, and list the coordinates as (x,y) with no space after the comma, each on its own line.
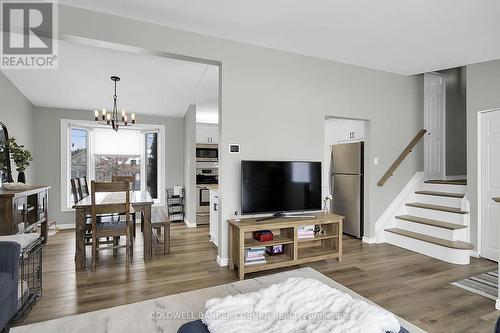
(67,125)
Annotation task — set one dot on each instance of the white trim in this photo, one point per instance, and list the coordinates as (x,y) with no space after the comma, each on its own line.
(369,240)
(497,304)
(391,211)
(65,226)
(189,224)
(223,262)
(475,254)
(455,177)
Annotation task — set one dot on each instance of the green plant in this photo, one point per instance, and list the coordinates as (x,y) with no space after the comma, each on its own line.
(21,156)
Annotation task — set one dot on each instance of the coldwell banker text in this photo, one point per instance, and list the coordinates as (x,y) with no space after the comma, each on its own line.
(29,35)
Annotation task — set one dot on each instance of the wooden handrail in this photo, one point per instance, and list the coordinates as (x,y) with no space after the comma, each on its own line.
(401,157)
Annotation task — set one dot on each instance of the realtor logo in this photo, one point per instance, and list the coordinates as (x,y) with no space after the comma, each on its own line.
(29,35)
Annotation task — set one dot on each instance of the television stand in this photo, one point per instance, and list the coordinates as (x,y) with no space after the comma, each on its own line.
(280,215)
(296,251)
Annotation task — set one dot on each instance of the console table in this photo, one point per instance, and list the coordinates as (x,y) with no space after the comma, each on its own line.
(23,210)
(322,246)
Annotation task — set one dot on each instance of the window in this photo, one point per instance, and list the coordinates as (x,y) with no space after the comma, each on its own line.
(79,149)
(151,154)
(95,152)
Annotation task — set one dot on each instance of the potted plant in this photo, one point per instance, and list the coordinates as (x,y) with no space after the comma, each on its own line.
(22,158)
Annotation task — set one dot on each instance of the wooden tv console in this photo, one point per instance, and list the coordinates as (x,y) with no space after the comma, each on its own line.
(297,251)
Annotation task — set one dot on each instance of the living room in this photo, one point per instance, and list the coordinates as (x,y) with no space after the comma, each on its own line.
(275,99)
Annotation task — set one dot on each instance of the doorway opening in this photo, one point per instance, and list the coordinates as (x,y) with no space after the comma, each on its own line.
(344,171)
(445,145)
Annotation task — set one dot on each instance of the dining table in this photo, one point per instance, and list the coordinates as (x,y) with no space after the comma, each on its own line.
(141,201)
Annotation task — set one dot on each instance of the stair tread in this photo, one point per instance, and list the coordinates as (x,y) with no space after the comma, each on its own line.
(431,222)
(437,207)
(441,194)
(447,182)
(459,245)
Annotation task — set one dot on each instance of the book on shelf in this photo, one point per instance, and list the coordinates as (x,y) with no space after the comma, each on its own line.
(255,258)
(257,262)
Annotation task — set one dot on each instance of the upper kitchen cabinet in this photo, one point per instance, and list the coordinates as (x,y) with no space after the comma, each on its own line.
(207,133)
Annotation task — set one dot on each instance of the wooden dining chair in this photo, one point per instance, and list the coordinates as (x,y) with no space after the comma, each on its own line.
(84,187)
(75,189)
(131,180)
(113,229)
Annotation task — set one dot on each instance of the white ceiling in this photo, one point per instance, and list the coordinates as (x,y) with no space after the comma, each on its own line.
(149,84)
(406,37)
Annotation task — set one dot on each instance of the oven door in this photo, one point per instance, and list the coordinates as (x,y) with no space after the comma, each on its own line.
(204,197)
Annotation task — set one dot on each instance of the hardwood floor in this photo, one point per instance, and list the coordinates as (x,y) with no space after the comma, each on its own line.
(411,285)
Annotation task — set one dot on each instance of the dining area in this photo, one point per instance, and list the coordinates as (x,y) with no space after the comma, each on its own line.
(106,215)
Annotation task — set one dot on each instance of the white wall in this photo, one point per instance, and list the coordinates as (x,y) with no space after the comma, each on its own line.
(16,112)
(274,103)
(48,152)
(190,165)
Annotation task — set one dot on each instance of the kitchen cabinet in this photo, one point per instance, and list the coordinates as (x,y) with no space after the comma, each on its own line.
(214,217)
(207,133)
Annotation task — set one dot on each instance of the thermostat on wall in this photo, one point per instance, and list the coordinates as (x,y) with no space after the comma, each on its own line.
(234,148)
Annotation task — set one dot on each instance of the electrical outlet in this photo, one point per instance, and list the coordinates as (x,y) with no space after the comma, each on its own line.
(375,161)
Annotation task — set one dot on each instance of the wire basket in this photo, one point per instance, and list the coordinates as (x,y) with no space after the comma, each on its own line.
(30,279)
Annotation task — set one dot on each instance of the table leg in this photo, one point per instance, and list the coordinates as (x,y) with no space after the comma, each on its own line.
(241,254)
(80,257)
(148,246)
(231,247)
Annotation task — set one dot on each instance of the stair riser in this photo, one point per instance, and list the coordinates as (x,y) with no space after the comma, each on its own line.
(437,200)
(454,256)
(437,215)
(451,235)
(445,188)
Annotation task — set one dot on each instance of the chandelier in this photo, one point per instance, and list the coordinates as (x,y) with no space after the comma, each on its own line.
(112,119)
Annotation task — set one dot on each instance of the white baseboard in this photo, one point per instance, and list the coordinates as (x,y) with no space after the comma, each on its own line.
(497,304)
(474,253)
(189,224)
(223,262)
(65,226)
(369,240)
(458,177)
(391,211)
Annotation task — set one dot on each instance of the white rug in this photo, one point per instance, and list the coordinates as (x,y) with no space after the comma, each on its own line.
(167,314)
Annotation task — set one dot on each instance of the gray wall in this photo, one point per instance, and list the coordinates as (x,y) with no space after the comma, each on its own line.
(483,93)
(456,118)
(48,149)
(16,112)
(190,164)
(274,104)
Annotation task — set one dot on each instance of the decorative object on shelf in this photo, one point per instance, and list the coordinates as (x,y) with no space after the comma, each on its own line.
(112,118)
(22,158)
(327,199)
(16,186)
(275,249)
(5,171)
(263,235)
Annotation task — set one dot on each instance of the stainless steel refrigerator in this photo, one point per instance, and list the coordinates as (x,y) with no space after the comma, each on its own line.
(346,185)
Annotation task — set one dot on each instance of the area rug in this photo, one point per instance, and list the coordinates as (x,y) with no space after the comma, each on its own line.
(485,284)
(167,314)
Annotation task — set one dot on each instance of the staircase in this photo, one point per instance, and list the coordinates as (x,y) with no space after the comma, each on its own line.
(434,221)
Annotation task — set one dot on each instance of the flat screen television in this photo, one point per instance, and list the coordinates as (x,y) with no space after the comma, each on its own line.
(280,186)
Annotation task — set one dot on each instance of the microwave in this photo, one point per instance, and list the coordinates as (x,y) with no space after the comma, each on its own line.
(207,152)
